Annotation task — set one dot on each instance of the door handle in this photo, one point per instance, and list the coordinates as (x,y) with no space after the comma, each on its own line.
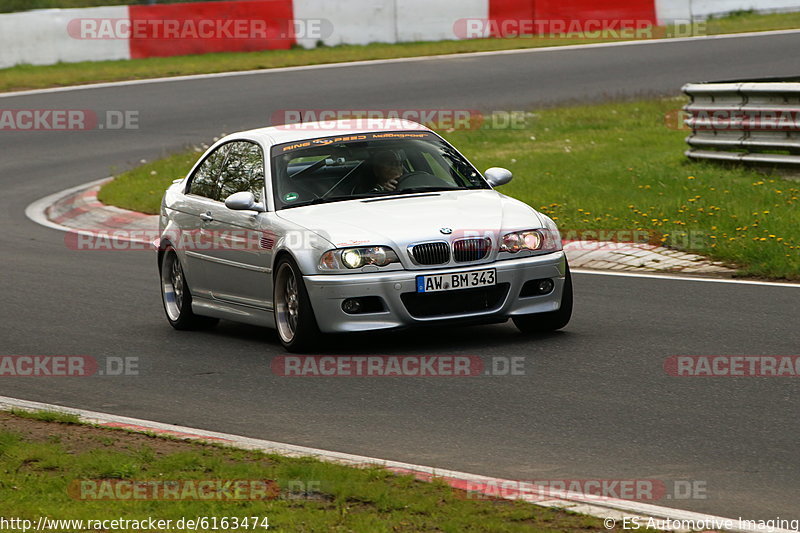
(206,217)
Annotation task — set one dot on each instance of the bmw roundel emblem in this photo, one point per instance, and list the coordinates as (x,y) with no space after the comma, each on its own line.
(446,231)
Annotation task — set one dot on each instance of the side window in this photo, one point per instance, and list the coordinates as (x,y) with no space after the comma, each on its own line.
(204,180)
(244,171)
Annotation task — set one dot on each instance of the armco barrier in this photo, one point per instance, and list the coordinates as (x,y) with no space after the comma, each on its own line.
(749,122)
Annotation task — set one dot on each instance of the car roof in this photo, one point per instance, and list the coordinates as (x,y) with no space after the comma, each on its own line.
(333,128)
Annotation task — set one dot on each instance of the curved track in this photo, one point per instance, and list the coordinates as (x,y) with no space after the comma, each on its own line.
(595,402)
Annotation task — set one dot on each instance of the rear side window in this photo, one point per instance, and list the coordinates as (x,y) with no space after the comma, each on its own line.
(243,171)
(204,180)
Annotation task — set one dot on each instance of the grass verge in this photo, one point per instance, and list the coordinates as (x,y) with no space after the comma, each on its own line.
(46,416)
(615,166)
(42,464)
(142,188)
(67,74)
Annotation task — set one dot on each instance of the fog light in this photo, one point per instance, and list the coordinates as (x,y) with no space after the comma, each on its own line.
(351,306)
(544,286)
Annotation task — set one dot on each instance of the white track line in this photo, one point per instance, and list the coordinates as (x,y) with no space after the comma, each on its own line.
(684,278)
(545,49)
(602,508)
(37,212)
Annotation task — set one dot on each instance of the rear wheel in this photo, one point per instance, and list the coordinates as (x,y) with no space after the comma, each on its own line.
(294,317)
(176,296)
(544,322)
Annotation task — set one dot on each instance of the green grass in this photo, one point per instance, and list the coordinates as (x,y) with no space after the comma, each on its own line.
(47,416)
(614,166)
(67,74)
(745,21)
(142,188)
(38,476)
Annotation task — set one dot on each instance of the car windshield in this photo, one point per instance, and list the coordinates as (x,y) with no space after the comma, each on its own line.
(366,165)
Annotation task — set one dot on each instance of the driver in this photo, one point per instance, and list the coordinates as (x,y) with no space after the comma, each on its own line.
(387,167)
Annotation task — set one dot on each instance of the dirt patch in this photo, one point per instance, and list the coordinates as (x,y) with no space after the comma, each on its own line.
(77,438)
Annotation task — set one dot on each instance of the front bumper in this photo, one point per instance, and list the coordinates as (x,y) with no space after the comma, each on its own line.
(328,291)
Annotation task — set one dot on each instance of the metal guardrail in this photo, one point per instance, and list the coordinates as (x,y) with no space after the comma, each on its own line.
(748,122)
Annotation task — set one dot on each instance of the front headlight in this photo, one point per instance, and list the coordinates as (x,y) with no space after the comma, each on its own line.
(522,240)
(353,258)
(535,240)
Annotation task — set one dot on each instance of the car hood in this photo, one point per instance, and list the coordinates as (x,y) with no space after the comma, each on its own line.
(405,219)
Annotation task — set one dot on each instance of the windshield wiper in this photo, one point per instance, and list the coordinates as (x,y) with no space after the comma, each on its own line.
(430,188)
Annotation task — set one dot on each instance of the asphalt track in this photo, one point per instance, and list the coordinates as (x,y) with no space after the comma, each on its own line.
(595,402)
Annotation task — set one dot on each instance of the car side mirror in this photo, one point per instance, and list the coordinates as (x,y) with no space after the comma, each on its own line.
(497,176)
(244,201)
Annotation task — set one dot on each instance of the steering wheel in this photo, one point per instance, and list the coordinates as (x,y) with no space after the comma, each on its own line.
(405,177)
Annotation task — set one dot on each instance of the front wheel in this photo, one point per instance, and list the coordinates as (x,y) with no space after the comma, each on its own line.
(294,317)
(176,296)
(552,321)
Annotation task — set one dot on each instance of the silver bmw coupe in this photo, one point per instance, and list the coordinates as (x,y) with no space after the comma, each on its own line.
(329,228)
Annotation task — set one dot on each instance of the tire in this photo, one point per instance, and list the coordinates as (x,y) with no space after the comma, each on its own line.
(176,297)
(546,322)
(294,316)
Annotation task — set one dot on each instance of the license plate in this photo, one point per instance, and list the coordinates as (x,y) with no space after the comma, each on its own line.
(456,281)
